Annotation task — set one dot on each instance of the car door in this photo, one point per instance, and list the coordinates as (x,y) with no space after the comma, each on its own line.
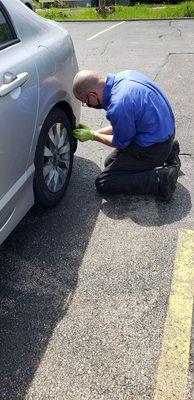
(18,112)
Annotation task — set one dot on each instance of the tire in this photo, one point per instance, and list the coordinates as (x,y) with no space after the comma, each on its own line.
(53,161)
(75,144)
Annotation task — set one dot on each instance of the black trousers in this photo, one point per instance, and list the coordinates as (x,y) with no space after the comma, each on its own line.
(132,170)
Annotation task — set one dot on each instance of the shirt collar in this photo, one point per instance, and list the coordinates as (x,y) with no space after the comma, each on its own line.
(107,90)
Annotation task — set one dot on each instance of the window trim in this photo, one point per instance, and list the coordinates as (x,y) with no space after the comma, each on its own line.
(8,20)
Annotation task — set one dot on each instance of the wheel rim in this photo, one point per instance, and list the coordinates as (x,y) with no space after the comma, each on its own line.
(56,158)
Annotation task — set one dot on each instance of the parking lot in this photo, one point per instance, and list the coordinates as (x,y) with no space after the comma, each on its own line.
(86,286)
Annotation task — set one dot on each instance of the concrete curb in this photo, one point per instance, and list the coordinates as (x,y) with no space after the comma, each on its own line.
(126,20)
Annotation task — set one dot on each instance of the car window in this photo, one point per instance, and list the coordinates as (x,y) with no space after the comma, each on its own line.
(6,34)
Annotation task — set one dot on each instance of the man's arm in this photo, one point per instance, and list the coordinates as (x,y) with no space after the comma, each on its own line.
(104,135)
(103,138)
(105,131)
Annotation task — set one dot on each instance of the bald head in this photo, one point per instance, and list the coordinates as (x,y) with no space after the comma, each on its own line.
(86,82)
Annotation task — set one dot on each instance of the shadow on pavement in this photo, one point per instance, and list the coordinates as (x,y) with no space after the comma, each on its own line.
(39,267)
(146,210)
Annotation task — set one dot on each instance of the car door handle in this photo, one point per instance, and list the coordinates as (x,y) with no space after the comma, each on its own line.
(19,80)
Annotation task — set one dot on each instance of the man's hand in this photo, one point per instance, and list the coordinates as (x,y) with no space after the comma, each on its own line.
(83,133)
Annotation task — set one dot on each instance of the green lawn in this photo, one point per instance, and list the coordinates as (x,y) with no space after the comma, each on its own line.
(36,4)
(185,9)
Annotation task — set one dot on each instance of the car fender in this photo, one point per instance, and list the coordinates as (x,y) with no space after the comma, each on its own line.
(55,99)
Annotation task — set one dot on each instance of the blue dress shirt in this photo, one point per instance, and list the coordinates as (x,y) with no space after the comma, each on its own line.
(137,109)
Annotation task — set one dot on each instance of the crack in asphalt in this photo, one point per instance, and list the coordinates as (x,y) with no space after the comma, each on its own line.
(167,59)
(105,48)
(174,27)
(186,154)
(163,65)
(101,123)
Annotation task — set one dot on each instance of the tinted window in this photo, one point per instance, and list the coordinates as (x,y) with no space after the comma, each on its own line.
(6,34)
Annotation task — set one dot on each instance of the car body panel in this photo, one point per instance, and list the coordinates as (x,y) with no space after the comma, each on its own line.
(45,51)
(18,115)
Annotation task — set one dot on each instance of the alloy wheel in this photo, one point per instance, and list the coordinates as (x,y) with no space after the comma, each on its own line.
(56,159)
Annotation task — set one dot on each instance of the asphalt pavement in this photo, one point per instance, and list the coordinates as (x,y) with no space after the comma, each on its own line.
(85,286)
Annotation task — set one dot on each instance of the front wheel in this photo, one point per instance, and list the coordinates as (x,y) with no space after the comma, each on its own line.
(53,159)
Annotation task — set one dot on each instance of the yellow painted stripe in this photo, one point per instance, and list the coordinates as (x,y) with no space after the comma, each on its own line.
(173,366)
(105,30)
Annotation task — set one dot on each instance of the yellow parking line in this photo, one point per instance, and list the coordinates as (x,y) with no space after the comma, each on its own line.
(105,30)
(174,361)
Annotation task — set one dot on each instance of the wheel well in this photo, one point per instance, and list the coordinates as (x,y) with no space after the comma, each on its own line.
(67,109)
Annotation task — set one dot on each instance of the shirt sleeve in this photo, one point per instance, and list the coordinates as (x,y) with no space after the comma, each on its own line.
(122,118)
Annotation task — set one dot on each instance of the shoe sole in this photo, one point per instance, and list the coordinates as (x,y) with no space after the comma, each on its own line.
(172,181)
(178,163)
(178,152)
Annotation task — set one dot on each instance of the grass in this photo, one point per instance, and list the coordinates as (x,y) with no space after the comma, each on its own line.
(185,9)
(36,4)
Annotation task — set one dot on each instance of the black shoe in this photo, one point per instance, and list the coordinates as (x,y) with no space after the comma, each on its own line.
(173,159)
(167,182)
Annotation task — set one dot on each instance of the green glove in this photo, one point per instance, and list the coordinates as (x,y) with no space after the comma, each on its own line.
(82,126)
(83,133)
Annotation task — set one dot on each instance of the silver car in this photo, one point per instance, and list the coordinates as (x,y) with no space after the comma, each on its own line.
(37,112)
